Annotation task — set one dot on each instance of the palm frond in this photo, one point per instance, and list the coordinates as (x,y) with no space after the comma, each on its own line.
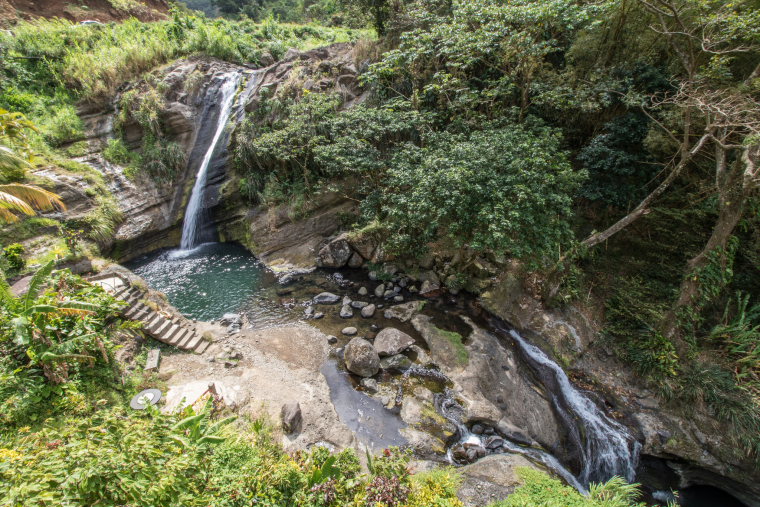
(38,280)
(35,196)
(9,161)
(78,308)
(10,202)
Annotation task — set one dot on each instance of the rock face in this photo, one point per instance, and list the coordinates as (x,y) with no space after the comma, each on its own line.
(361,358)
(391,341)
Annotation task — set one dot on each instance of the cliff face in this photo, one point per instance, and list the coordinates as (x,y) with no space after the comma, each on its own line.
(102,11)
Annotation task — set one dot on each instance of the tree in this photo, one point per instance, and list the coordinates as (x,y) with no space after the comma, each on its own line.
(17,197)
(379,9)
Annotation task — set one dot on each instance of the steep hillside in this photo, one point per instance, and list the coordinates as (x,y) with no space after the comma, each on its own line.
(83,10)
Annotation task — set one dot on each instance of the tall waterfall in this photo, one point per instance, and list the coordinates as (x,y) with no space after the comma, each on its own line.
(607,448)
(196,214)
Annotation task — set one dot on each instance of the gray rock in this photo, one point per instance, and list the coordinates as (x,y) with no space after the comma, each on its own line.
(346,300)
(399,362)
(429,287)
(368,311)
(335,254)
(391,341)
(349,331)
(398,299)
(309,311)
(413,289)
(355,261)
(332,340)
(325,298)
(231,319)
(389,294)
(346,312)
(369,385)
(361,358)
(363,291)
(404,312)
(380,290)
(493,442)
(358,304)
(318,315)
(292,418)
(372,275)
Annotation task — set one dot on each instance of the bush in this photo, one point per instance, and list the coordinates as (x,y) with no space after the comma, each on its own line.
(14,256)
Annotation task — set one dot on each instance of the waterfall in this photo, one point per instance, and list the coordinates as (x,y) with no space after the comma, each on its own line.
(606,447)
(196,214)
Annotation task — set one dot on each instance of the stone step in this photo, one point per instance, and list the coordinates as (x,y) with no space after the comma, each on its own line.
(133,311)
(121,292)
(200,349)
(187,339)
(152,322)
(197,339)
(166,334)
(159,329)
(180,336)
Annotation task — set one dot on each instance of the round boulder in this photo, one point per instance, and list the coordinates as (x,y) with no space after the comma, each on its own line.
(361,358)
(390,341)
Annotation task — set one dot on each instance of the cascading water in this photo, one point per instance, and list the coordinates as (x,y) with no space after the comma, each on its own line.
(196,214)
(448,407)
(606,447)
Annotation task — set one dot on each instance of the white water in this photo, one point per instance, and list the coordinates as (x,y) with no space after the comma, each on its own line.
(607,448)
(195,208)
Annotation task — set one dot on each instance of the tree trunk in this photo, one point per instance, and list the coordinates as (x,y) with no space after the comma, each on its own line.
(643,207)
(732,196)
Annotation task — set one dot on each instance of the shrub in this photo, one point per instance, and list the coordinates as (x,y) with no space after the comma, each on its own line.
(14,255)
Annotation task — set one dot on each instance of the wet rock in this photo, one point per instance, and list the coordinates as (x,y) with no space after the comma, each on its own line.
(335,254)
(332,340)
(363,291)
(325,298)
(346,300)
(346,312)
(429,288)
(368,311)
(477,429)
(355,261)
(398,299)
(444,348)
(380,290)
(318,315)
(493,442)
(361,358)
(403,312)
(231,319)
(372,275)
(369,385)
(399,362)
(292,418)
(391,341)
(388,294)
(374,327)
(359,304)
(349,331)
(309,312)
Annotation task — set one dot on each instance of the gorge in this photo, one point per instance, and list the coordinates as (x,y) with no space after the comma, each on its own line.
(378,238)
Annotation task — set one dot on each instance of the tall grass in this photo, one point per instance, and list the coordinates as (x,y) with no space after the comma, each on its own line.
(92,61)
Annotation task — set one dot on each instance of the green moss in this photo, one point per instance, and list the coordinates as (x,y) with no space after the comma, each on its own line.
(456,340)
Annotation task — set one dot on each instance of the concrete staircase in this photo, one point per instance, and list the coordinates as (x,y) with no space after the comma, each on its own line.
(165,329)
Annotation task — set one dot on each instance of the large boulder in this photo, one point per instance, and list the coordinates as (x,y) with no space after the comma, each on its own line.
(492,478)
(390,341)
(405,311)
(361,358)
(335,254)
(291,417)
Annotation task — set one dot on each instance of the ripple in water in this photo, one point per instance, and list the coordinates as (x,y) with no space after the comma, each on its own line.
(213,279)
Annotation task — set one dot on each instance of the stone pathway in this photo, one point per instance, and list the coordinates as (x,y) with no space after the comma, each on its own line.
(161,327)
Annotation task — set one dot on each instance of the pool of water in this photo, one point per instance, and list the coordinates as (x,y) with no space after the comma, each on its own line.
(213,279)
